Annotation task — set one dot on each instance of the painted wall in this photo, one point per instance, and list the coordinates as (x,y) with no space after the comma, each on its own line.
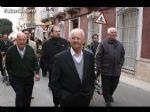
(84,25)
(110,17)
(145,51)
(66,29)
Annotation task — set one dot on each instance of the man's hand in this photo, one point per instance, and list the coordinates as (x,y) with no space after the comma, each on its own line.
(97,71)
(37,77)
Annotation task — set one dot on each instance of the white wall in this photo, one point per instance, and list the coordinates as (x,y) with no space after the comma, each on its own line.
(37,16)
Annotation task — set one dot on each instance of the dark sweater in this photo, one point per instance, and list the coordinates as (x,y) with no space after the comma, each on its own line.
(19,67)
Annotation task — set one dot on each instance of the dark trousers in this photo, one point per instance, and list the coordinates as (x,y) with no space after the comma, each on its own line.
(43,66)
(50,72)
(44,71)
(23,88)
(77,101)
(1,66)
(55,99)
(2,71)
(109,84)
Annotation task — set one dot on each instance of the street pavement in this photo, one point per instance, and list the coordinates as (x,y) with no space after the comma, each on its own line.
(126,95)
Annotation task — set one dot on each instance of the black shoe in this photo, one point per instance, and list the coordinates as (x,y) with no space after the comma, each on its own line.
(4,79)
(108,104)
(49,86)
(32,97)
(111,99)
(55,105)
(7,83)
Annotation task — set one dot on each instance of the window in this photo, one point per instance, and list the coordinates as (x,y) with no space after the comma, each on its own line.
(127,24)
(74,23)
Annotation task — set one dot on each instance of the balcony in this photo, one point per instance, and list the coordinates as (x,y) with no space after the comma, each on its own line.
(72,10)
(30,24)
(47,16)
(58,11)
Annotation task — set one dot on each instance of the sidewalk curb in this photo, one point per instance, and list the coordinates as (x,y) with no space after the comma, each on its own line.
(135,82)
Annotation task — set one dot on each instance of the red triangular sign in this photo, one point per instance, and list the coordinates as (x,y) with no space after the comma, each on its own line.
(101,19)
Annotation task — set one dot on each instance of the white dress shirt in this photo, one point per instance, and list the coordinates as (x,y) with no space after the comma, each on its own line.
(77,57)
(21,52)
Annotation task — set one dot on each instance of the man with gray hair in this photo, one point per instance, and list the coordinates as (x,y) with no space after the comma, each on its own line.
(22,66)
(109,60)
(73,73)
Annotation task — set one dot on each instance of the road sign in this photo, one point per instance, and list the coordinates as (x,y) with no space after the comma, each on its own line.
(101,19)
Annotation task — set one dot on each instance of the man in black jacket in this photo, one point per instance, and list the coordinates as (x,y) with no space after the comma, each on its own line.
(73,73)
(22,66)
(50,48)
(94,44)
(4,45)
(109,60)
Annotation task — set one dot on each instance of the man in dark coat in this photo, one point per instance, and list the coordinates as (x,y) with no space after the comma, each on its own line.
(50,48)
(4,45)
(22,66)
(94,44)
(73,73)
(109,60)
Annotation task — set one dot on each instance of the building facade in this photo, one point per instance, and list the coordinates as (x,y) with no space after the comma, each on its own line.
(27,19)
(37,20)
(132,24)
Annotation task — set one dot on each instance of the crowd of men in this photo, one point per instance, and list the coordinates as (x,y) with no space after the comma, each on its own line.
(70,67)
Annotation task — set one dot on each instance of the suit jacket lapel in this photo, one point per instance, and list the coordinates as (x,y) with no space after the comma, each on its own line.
(85,65)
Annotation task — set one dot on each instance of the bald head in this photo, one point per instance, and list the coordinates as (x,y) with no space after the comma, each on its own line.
(21,39)
(112,32)
(111,29)
(21,34)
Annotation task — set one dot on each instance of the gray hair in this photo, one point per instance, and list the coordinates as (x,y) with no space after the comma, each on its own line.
(110,29)
(76,30)
(20,34)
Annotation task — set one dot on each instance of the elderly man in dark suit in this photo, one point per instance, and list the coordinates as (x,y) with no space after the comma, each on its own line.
(73,73)
(109,60)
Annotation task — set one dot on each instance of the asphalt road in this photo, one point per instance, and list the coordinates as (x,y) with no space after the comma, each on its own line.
(124,96)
